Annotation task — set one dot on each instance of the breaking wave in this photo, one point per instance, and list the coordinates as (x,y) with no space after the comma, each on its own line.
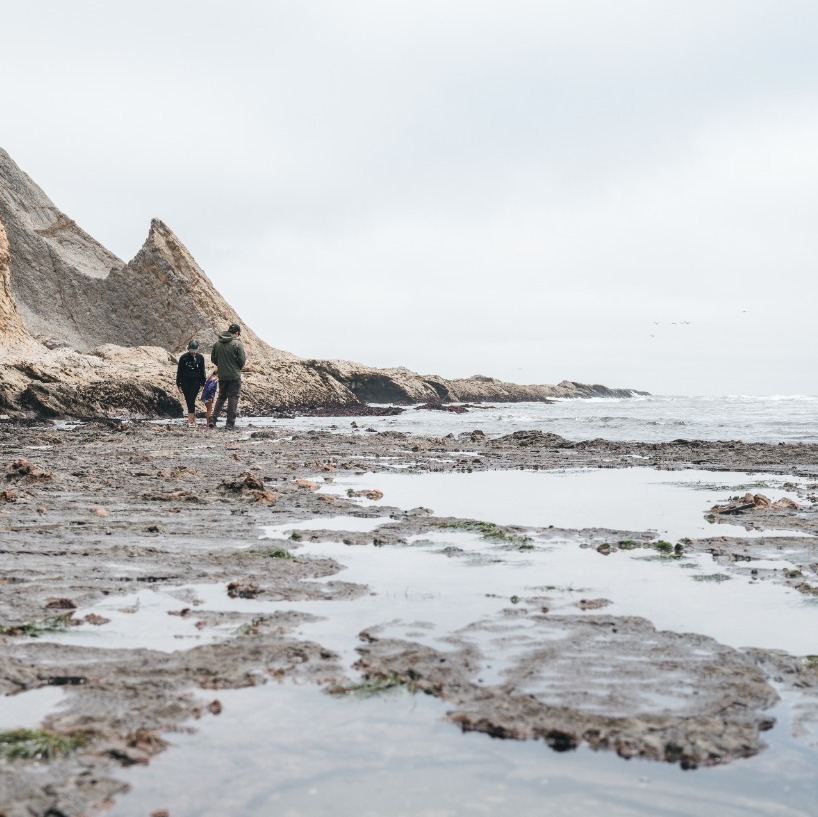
(775,418)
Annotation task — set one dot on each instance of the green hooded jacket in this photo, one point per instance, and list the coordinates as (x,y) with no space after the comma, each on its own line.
(229,356)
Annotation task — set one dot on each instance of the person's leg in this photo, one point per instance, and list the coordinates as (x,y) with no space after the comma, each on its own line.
(208,410)
(191,390)
(217,409)
(233,402)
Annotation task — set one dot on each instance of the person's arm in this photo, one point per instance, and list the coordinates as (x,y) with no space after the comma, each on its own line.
(201,366)
(241,355)
(179,372)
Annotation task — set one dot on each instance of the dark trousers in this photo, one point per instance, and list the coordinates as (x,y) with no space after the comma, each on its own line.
(229,391)
(190,389)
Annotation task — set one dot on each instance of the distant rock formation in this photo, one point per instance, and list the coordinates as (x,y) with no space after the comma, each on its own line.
(82,333)
(402,386)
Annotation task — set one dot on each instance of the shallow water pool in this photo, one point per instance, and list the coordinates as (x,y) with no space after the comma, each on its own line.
(673,504)
(297,752)
(26,710)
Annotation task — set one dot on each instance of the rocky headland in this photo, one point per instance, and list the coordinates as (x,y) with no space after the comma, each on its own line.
(85,334)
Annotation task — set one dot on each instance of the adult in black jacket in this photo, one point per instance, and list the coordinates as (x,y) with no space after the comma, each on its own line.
(190,377)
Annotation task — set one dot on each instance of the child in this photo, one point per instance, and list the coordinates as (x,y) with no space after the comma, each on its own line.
(209,392)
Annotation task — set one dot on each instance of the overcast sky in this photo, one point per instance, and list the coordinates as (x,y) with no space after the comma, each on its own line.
(613,192)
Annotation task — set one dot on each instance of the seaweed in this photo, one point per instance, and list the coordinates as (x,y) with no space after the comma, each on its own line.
(374,685)
(38,627)
(488,530)
(38,744)
(279,553)
(669,550)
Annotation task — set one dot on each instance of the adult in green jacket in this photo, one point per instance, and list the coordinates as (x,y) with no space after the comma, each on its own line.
(229,357)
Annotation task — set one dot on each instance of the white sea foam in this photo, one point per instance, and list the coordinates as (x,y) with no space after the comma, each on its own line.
(772,419)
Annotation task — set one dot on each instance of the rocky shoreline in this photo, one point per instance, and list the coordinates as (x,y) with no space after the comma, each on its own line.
(94,512)
(84,334)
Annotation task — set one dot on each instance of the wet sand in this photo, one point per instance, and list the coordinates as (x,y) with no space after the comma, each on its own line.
(101,521)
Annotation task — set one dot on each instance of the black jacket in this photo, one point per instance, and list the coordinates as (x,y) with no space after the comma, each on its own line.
(191,368)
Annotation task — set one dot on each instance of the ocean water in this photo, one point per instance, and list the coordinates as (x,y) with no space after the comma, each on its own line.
(771,419)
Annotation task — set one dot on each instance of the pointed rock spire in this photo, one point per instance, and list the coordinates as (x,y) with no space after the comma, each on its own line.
(168,299)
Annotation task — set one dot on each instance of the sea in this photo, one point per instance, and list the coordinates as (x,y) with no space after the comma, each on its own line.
(768,419)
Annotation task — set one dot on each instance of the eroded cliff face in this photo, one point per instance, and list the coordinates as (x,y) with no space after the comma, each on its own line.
(71,291)
(53,262)
(84,334)
(12,329)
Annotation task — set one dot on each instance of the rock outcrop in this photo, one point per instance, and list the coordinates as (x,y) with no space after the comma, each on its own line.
(13,333)
(83,333)
(402,386)
(71,291)
(55,265)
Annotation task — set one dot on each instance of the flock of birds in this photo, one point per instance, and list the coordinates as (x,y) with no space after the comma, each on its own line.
(679,323)
(672,323)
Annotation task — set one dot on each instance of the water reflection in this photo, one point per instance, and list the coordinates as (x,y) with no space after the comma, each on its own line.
(295,752)
(671,503)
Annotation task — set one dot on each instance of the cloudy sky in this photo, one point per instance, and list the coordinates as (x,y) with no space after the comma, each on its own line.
(614,192)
